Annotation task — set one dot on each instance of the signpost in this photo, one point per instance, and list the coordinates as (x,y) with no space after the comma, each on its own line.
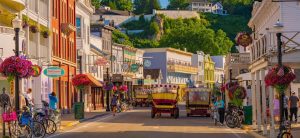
(54,72)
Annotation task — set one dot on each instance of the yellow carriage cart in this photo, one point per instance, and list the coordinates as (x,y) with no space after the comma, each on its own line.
(197,101)
(164,99)
(142,97)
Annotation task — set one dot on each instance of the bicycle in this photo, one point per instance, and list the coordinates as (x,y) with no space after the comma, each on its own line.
(37,129)
(234,117)
(17,130)
(42,115)
(285,130)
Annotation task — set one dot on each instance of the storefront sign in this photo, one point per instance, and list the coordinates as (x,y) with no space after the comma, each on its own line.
(147,63)
(54,72)
(134,67)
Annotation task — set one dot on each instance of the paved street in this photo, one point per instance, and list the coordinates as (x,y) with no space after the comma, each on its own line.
(138,124)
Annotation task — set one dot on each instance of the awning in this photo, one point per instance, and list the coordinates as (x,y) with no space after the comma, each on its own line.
(17,5)
(94,81)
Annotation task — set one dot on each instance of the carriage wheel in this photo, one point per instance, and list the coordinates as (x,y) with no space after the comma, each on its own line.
(152,113)
(176,113)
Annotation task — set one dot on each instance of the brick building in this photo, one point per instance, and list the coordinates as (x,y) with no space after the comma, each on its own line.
(64,50)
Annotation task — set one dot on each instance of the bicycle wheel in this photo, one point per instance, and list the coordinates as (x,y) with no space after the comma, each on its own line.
(38,129)
(50,126)
(286,135)
(231,121)
(19,131)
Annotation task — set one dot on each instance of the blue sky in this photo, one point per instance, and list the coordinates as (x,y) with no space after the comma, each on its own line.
(164,3)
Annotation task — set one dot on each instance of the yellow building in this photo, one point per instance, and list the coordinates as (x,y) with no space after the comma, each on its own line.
(209,71)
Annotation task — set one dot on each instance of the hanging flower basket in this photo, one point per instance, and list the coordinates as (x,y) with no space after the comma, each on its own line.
(237,92)
(45,34)
(123,88)
(223,88)
(244,39)
(34,29)
(25,23)
(80,81)
(280,77)
(16,66)
(230,84)
(108,87)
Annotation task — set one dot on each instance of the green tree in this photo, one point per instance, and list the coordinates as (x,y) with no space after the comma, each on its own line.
(178,4)
(154,28)
(120,38)
(96,3)
(118,4)
(145,6)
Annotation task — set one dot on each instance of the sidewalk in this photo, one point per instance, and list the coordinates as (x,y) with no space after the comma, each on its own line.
(256,134)
(68,120)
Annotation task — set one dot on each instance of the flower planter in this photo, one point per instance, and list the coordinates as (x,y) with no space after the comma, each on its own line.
(25,25)
(80,81)
(34,29)
(45,34)
(279,77)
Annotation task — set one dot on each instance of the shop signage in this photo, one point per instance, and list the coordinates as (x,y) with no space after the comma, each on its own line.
(54,72)
(101,62)
(125,66)
(134,67)
(147,63)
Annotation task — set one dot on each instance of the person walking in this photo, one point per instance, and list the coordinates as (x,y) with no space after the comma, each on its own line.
(294,100)
(285,107)
(53,101)
(28,97)
(114,104)
(276,108)
(221,109)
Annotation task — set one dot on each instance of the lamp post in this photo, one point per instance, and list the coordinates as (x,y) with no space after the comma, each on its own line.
(80,53)
(278,26)
(107,91)
(17,24)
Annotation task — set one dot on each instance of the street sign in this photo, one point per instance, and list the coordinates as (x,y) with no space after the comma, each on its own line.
(134,67)
(54,72)
(147,63)
(125,66)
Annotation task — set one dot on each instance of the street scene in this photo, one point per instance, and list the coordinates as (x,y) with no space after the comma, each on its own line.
(149,68)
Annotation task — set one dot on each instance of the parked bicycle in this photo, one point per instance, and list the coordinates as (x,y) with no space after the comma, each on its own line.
(286,130)
(234,116)
(42,115)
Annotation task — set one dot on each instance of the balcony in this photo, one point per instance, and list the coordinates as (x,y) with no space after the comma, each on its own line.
(182,69)
(17,5)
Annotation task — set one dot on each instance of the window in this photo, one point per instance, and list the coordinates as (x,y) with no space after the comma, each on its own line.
(78,27)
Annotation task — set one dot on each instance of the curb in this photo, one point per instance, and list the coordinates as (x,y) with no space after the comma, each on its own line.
(255,134)
(83,120)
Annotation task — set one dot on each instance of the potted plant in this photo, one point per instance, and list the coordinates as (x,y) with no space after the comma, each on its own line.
(279,77)
(25,21)
(45,33)
(34,28)
(80,81)
(236,94)
(16,66)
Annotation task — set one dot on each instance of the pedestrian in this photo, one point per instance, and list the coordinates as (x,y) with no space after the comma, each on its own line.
(285,107)
(276,108)
(114,104)
(28,98)
(53,101)
(221,109)
(294,100)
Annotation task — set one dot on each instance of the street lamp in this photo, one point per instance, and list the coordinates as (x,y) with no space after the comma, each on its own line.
(80,53)
(107,91)
(278,27)
(17,24)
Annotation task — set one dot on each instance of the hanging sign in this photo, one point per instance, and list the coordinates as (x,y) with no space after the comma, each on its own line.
(37,70)
(101,62)
(125,66)
(244,39)
(147,63)
(134,67)
(54,72)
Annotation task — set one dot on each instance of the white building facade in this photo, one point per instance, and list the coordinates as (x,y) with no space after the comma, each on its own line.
(264,53)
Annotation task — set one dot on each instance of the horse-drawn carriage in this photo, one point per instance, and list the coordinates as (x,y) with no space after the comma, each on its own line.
(198,101)
(142,97)
(164,99)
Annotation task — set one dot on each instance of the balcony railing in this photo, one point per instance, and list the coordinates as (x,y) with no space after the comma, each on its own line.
(182,69)
(238,58)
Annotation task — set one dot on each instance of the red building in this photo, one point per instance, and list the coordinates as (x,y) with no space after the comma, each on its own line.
(64,50)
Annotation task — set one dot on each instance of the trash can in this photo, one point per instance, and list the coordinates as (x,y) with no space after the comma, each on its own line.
(248,115)
(79,110)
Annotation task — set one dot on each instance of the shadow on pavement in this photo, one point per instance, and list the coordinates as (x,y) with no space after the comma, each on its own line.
(149,134)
